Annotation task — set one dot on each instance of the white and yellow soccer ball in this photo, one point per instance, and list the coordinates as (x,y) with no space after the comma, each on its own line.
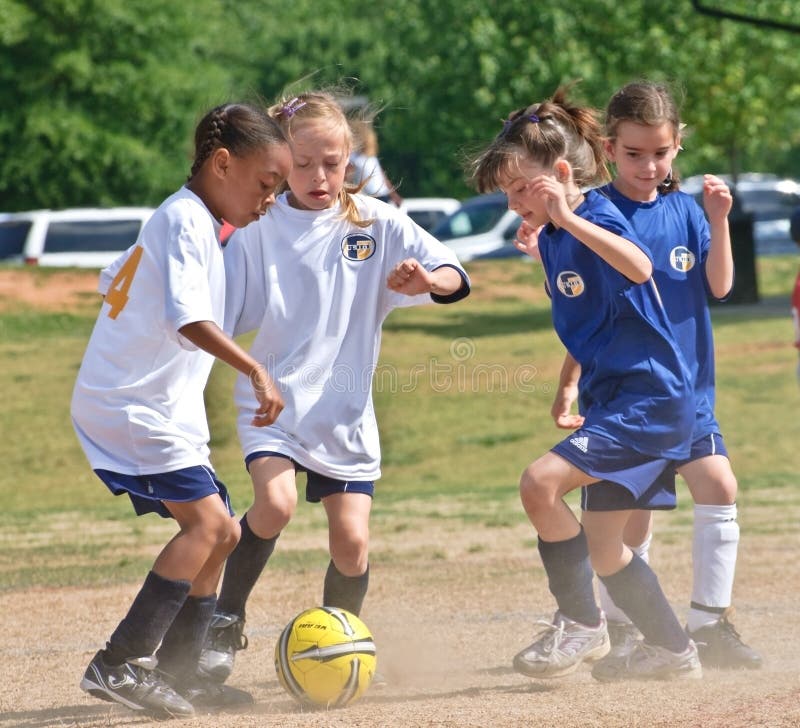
(325,657)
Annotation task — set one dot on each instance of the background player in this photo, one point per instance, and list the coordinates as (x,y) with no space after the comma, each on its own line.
(138,411)
(691,258)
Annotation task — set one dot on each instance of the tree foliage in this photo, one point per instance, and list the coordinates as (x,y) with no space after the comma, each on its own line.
(99,97)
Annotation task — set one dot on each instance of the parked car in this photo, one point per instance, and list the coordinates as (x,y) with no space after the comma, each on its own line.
(81,237)
(428,211)
(482,227)
(769,198)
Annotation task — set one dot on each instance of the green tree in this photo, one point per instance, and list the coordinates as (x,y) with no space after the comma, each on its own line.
(99,98)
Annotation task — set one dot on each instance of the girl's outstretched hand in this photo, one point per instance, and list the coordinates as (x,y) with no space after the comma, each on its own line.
(410,277)
(717,198)
(527,240)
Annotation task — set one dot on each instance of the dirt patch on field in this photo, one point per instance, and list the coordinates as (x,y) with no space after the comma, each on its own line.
(446,629)
(47,290)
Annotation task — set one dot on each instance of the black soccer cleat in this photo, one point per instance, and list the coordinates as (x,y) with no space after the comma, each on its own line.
(204,693)
(135,684)
(720,645)
(225,638)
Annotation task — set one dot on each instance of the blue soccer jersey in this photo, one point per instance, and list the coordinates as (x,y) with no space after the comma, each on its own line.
(635,387)
(675,231)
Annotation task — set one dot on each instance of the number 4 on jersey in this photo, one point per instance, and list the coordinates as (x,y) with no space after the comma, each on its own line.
(117,295)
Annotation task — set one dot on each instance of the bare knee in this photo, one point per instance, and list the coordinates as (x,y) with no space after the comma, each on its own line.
(350,552)
(537,492)
(269,515)
(711,481)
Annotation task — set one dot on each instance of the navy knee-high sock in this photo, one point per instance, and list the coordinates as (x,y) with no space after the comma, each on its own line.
(636,591)
(149,617)
(569,575)
(183,642)
(242,570)
(345,592)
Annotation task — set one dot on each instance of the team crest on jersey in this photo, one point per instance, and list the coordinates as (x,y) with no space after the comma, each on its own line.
(358,246)
(570,283)
(681,259)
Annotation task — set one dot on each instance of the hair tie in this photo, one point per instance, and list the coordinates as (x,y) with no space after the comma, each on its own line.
(290,108)
(533,118)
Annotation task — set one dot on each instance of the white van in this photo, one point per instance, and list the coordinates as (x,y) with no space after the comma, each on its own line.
(81,237)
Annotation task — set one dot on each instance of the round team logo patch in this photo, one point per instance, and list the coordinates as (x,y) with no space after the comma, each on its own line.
(681,259)
(570,283)
(358,246)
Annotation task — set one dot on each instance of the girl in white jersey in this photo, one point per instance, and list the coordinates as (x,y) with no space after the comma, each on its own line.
(137,407)
(316,277)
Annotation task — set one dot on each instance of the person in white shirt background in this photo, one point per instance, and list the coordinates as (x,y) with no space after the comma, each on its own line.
(365,170)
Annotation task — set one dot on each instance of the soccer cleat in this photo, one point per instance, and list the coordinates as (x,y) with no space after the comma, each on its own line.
(225,637)
(136,684)
(206,693)
(649,662)
(720,645)
(561,646)
(623,637)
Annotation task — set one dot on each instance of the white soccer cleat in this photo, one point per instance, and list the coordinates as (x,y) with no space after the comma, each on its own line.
(561,646)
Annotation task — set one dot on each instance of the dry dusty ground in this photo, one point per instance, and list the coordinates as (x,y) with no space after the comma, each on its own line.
(446,629)
(446,626)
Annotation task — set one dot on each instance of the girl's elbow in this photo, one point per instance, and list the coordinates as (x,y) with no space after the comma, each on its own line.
(643,272)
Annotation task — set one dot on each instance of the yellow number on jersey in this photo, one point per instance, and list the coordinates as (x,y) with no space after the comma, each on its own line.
(117,295)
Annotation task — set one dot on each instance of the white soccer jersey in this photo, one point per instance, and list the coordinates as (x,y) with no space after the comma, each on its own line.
(314,286)
(137,405)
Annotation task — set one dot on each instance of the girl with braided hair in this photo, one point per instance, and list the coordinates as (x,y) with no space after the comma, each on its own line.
(138,412)
(635,393)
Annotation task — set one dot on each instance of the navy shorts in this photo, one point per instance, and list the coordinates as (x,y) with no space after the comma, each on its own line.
(711,444)
(147,492)
(317,486)
(628,479)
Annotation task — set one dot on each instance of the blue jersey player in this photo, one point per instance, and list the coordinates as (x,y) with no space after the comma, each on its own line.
(692,259)
(637,404)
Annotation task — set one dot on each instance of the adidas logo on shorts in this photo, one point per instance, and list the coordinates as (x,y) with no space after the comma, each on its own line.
(582,443)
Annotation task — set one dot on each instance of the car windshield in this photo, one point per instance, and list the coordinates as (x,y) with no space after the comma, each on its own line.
(471,220)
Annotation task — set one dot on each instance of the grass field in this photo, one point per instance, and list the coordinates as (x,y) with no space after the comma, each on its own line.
(463,396)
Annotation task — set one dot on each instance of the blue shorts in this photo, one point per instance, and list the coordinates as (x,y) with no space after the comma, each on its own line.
(628,479)
(180,486)
(317,486)
(711,444)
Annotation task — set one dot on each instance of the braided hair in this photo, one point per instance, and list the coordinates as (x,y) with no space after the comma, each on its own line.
(239,128)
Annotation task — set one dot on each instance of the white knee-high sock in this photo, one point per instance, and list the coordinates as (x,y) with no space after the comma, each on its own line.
(714,549)
(612,611)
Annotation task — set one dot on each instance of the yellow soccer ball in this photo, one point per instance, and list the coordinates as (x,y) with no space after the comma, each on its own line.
(325,657)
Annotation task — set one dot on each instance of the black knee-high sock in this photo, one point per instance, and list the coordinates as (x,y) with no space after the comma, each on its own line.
(183,642)
(242,570)
(569,575)
(345,592)
(149,617)
(636,591)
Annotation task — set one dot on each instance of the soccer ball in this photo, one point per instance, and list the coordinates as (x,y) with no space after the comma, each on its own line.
(325,656)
